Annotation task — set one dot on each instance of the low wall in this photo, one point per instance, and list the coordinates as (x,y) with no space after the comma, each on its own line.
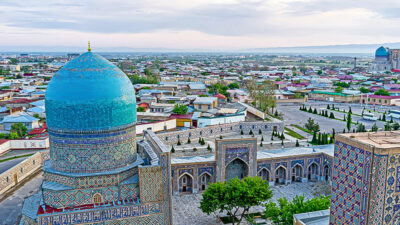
(29,144)
(253,110)
(170,138)
(293,100)
(19,172)
(157,126)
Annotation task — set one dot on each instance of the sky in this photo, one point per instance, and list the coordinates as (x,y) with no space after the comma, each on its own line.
(197,24)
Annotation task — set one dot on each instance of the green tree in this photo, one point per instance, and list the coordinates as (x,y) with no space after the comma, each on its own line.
(172,149)
(233,85)
(297,95)
(282,213)
(388,127)
(13,135)
(361,128)
(180,109)
(235,197)
(311,125)
(396,126)
(382,91)
(141,109)
(332,116)
(364,90)
(297,143)
(19,128)
(348,121)
(374,128)
(339,89)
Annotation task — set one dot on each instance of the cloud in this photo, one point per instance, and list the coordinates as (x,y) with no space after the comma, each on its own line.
(272,22)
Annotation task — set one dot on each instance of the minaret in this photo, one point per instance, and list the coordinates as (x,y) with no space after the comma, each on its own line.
(355,61)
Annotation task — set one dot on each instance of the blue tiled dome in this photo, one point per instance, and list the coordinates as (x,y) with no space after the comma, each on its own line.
(90,93)
(381,52)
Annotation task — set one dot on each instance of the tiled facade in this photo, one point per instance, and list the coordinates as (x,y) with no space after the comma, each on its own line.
(276,170)
(94,174)
(366,180)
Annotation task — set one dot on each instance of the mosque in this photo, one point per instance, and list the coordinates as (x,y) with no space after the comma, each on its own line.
(95,174)
(385,60)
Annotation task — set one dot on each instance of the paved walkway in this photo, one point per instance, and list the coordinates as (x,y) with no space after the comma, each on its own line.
(11,207)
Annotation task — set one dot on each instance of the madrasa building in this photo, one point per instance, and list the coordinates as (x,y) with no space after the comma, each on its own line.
(95,173)
(385,60)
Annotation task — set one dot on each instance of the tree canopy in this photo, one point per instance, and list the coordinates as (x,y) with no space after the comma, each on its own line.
(233,85)
(382,92)
(19,129)
(311,125)
(284,211)
(364,90)
(180,109)
(235,197)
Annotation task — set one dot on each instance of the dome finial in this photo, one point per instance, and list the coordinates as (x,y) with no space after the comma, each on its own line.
(89,49)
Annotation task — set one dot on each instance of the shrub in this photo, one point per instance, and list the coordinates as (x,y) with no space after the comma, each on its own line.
(172,149)
(179,142)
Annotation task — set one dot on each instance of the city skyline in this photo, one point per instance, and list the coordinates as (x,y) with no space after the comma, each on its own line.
(210,25)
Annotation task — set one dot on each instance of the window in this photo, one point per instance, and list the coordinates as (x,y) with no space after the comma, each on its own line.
(211,131)
(22,170)
(265,127)
(231,128)
(33,162)
(240,126)
(201,133)
(190,134)
(209,107)
(178,136)
(7,179)
(166,138)
(97,198)
(253,126)
(184,180)
(221,129)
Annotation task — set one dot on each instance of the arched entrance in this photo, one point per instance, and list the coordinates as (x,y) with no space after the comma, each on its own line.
(313,172)
(297,173)
(327,173)
(205,179)
(264,174)
(236,168)
(97,198)
(185,183)
(280,175)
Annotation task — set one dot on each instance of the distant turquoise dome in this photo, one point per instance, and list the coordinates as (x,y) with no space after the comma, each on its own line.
(381,52)
(90,93)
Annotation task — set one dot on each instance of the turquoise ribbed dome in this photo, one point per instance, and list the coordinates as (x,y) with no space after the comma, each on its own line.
(90,93)
(381,52)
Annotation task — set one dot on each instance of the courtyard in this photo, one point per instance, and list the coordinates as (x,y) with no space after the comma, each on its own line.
(186,206)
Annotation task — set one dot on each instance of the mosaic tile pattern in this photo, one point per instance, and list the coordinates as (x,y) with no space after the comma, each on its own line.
(94,152)
(348,186)
(151,188)
(392,199)
(378,180)
(101,215)
(89,93)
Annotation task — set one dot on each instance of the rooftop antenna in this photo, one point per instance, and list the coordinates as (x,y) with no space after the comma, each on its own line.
(89,49)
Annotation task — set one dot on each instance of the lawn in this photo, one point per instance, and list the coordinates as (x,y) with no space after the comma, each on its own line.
(293,133)
(15,157)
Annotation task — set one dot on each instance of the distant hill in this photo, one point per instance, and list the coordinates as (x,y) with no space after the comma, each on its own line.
(367,50)
(335,49)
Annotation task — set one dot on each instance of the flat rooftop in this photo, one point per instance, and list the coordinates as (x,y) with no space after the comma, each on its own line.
(383,140)
(262,154)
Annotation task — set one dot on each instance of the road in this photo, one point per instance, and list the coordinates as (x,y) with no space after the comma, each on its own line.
(292,115)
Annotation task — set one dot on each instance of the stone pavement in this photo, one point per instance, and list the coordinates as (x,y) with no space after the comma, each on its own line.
(186,207)
(11,207)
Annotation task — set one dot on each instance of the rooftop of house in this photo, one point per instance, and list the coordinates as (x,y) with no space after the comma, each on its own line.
(204,100)
(382,96)
(382,140)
